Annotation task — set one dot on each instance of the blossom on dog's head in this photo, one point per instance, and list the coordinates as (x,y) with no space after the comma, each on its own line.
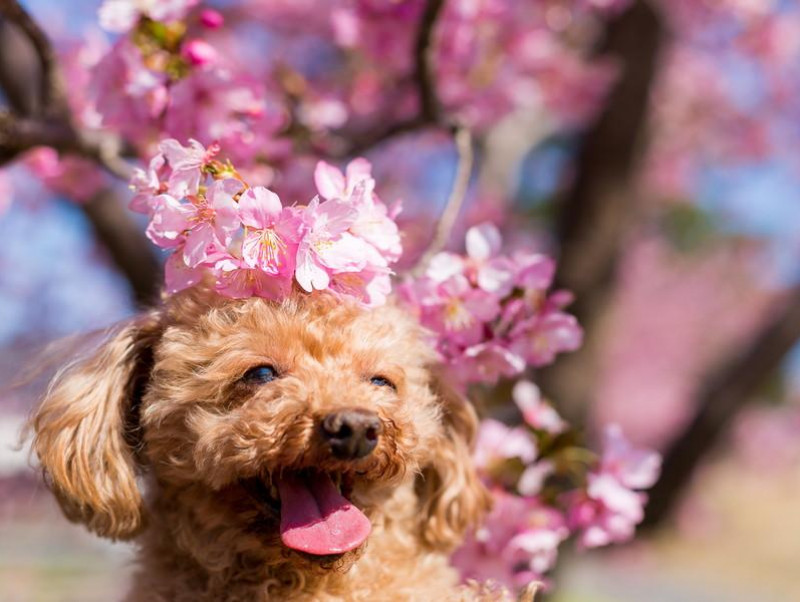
(251,244)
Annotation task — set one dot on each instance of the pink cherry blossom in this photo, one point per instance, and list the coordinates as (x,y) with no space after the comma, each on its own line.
(497,442)
(535,410)
(211,18)
(270,240)
(128,95)
(178,276)
(540,338)
(199,52)
(211,222)
(633,467)
(374,223)
(517,544)
(606,513)
(493,273)
(333,184)
(147,183)
(186,163)
(169,220)
(327,247)
(611,507)
(238,280)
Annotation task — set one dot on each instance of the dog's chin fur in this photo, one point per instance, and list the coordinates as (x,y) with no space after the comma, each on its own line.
(161,407)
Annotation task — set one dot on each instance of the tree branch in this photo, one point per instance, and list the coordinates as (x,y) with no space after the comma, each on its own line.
(128,247)
(458,193)
(429,112)
(726,393)
(45,118)
(596,213)
(52,86)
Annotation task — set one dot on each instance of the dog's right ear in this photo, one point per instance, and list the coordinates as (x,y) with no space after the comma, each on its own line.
(82,432)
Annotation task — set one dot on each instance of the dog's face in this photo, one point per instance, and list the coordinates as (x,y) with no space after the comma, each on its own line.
(263,426)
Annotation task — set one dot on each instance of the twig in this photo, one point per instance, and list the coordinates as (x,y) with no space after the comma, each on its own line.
(458,192)
(429,109)
(733,387)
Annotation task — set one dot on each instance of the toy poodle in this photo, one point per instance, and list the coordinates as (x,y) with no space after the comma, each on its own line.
(258,450)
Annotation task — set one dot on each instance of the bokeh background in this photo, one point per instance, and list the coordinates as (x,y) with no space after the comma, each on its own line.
(656,155)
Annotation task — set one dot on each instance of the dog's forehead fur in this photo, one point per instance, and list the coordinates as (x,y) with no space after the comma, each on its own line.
(301,329)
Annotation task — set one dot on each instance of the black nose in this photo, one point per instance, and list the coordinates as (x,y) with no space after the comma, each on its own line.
(351,433)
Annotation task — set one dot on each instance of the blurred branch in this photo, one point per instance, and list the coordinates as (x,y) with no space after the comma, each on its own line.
(53,99)
(39,115)
(42,117)
(597,212)
(128,247)
(727,392)
(429,113)
(463,141)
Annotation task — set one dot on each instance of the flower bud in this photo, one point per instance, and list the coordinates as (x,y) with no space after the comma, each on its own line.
(198,52)
(211,18)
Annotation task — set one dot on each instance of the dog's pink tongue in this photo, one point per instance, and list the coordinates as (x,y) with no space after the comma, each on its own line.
(316,519)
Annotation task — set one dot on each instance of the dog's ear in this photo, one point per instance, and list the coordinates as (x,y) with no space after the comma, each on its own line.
(452,496)
(84,431)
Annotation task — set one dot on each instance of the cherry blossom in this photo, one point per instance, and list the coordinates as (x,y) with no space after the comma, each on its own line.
(270,240)
(536,412)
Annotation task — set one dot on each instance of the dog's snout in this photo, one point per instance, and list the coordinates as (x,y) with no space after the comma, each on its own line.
(352,433)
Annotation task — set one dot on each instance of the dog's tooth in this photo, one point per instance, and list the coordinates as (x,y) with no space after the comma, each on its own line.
(273,491)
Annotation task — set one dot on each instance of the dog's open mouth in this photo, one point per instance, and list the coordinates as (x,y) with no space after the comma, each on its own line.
(315,517)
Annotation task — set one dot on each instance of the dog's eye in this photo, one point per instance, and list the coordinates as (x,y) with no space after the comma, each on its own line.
(382,381)
(260,375)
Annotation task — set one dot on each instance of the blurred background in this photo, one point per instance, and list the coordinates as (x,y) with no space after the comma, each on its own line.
(653,148)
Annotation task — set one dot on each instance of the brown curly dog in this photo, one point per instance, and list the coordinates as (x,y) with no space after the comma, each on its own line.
(295,450)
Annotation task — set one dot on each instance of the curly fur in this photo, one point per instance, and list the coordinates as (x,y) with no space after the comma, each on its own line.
(161,408)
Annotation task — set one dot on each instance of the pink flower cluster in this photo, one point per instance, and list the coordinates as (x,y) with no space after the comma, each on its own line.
(250,243)
(596,500)
(491,312)
(612,504)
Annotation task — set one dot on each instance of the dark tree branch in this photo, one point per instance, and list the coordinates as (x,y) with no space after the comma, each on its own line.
(42,118)
(52,87)
(726,393)
(429,112)
(127,246)
(23,94)
(429,108)
(596,213)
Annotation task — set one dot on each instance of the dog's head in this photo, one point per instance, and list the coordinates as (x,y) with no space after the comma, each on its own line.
(261,425)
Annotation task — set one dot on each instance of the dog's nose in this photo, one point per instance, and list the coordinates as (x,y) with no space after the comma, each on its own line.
(351,433)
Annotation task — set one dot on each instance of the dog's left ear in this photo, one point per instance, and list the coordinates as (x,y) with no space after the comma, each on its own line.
(82,432)
(452,497)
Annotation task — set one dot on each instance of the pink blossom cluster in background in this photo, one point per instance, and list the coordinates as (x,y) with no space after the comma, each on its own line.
(723,121)
(244,237)
(491,313)
(183,70)
(547,489)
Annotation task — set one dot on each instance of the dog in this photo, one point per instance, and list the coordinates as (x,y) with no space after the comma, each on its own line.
(256,450)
